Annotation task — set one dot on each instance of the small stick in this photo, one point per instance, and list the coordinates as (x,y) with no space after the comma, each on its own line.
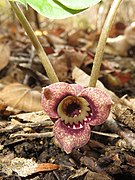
(33,135)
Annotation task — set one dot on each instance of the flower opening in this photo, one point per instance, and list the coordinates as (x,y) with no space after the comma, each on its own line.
(73,110)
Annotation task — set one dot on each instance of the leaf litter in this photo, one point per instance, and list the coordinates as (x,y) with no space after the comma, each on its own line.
(27,147)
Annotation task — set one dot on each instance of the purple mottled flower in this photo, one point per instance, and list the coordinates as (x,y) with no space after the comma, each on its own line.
(74,108)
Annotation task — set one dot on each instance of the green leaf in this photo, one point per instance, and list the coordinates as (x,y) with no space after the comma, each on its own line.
(78,4)
(59,9)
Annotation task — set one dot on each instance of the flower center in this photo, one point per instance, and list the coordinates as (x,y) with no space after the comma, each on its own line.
(73,109)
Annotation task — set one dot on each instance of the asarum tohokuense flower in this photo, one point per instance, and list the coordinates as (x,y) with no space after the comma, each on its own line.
(74,109)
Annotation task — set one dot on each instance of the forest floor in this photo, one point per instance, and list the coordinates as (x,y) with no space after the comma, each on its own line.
(27,149)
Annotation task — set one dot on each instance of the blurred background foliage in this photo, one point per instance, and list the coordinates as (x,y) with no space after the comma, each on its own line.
(93,18)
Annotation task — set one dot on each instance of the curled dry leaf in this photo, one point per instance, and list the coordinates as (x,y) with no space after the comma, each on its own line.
(21,97)
(4,55)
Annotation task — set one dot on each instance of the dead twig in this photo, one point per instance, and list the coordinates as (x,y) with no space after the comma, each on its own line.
(33,135)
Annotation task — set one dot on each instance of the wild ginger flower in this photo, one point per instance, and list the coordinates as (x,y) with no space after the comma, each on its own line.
(74,108)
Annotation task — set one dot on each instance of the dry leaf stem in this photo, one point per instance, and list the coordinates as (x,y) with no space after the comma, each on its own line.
(102,41)
(40,51)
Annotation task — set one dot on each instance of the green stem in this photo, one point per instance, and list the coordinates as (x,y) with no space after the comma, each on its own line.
(102,42)
(40,51)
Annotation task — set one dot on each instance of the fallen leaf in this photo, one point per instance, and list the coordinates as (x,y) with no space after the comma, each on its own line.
(46,167)
(78,173)
(112,81)
(96,176)
(21,97)
(60,66)
(54,40)
(83,79)
(117,46)
(2,105)
(25,167)
(4,55)
(123,77)
(76,57)
(5,163)
(117,29)
(73,37)
(49,50)
(57,31)
(120,44)
(34,117)
(130,34)
(130,160)
(124,115)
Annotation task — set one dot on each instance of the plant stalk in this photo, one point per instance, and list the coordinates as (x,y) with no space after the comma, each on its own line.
(102,42)
(39,49)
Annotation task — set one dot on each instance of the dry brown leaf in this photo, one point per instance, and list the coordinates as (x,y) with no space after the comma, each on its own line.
(130,34)
(21,97)
(60,66)
(74,36)
(83,79)
(117,29)
(117,46)
(2,105)
(120,44)
(54,40)
(74,57)
(13,75)
(132,100)
(78,173)
(34,117)
(124,115)
(5,163)
(96,176)
(130,160)
(46,167)
(24,167)
(4,55)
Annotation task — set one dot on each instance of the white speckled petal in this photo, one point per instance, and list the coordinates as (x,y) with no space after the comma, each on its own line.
(68,138)
(100,104)
(54,93)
